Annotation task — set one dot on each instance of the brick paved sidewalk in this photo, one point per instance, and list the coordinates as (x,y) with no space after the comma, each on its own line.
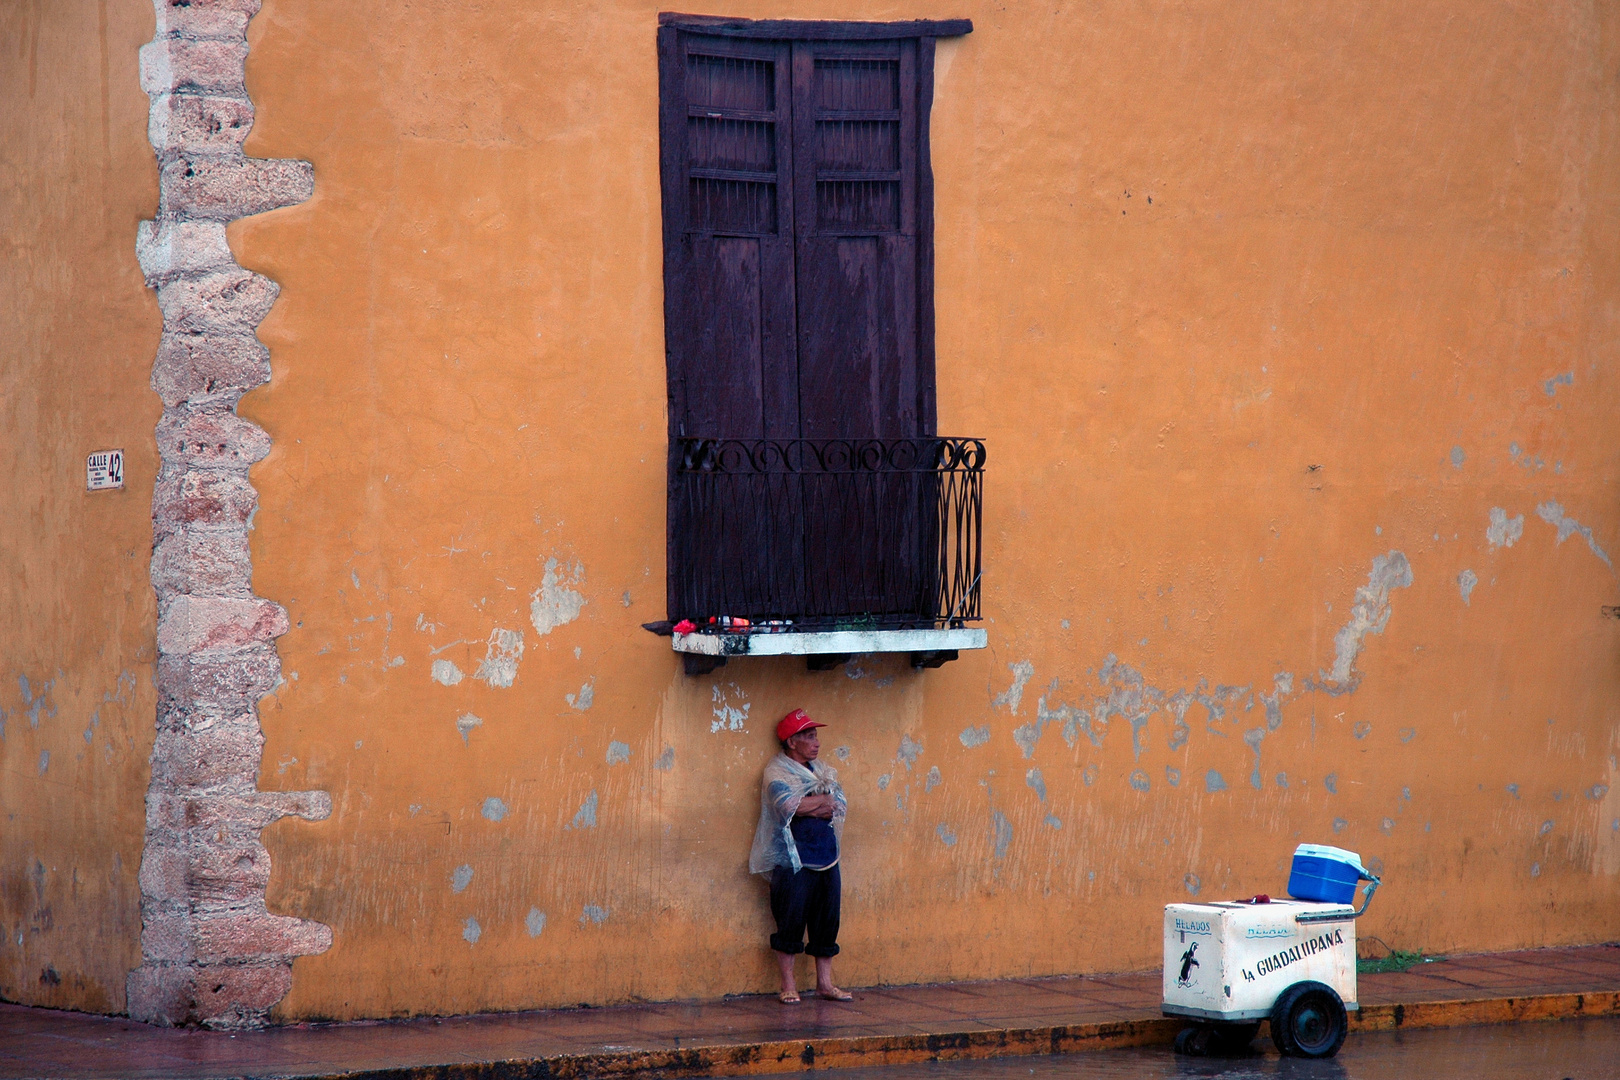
(752,1035)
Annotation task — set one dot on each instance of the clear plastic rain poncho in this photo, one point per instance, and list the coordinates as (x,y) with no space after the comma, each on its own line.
(785,785)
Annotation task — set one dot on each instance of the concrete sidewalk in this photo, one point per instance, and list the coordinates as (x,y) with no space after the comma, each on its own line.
(754,1035)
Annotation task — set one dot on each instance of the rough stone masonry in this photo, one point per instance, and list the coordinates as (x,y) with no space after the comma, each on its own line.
(211,952)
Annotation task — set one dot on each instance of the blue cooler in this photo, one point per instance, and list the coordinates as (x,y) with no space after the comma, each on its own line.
(1325,874)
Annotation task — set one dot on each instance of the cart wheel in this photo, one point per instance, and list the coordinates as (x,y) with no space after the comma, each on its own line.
(1194,1041)
(1232,1040)
(1308,1021)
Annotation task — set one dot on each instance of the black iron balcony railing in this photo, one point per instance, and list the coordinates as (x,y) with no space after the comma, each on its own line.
(839,533)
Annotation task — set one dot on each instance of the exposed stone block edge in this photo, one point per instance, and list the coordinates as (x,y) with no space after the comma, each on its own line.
(212,954)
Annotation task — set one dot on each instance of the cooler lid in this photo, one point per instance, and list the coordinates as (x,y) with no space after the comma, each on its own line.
(1327,851)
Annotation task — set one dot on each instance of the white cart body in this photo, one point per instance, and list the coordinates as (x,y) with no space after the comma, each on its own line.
(1231,961)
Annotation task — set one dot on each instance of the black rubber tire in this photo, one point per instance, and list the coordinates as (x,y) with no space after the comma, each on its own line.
(1194,1041)
(1309,1021)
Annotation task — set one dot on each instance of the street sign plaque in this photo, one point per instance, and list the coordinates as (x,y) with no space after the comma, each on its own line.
(104,470)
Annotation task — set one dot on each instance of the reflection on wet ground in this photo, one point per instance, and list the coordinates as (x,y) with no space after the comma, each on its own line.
(1576,1049)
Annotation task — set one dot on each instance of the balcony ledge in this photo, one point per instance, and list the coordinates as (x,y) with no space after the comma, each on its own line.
(828,648)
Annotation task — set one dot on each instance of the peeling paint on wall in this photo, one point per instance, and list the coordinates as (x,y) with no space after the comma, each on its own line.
(666,760)
(934,779)
(908,752)
(1001,833)
(534,922)
(500,664)
(471,931)
(618,753)
(585,817)
(1465,584)
(446,673)
(946,834)
(1282,687)
(35,705)
(465,723)
(1368,615)
(730,710)
(461,877)
(1067,715)
(1503,531)
(1027,735)
(1551,385)
(975,736)
(493,809)
(1011,697)
(1553,514)
(584,699)
(1036,782)
(593,914)
(556,602)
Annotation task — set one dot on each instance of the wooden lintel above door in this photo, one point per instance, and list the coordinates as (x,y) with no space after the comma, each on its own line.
(816,29)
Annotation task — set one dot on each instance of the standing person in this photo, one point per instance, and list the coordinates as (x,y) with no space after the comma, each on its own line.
(801,826)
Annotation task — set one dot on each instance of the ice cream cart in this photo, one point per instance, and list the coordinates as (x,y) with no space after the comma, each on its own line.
(1230,965)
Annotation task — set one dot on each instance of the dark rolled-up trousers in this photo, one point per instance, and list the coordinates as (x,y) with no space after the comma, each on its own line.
(807,900)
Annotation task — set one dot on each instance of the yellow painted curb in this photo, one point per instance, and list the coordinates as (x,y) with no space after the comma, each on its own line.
(855,1052)
(763,1058)
(1480,1011)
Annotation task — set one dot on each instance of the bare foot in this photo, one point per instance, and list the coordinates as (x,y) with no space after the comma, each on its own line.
(832,993)
(788,997)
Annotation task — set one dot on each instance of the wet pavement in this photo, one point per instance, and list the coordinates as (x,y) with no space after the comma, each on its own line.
(1576,1049)
(882,1028)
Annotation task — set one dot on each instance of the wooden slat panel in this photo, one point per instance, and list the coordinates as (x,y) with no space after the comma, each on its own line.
(856,263)
(729,275)
(908,156)
(729,294)
(857,320)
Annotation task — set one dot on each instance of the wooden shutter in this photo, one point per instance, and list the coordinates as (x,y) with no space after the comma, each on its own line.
(728,236)
(798,273)
(856,223)
(855,120)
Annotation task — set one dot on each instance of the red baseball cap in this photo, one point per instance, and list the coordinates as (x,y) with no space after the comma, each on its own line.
(794,722)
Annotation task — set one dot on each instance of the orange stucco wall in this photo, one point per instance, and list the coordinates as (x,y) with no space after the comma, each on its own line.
(1255,308)
(77,618)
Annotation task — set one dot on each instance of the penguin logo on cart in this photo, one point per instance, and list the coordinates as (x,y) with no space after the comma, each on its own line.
(1187,964)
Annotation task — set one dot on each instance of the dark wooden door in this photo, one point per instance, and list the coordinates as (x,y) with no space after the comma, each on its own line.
(798,256)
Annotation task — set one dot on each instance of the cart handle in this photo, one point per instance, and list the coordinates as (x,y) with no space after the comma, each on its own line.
(1341,916)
